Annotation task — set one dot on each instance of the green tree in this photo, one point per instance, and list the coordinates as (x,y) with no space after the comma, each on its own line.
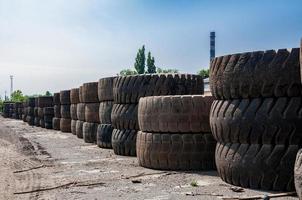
(47,93)
(161,70)
(150,64)
(17,96)
(1,105)
(140,60)
(204,73)
(126,72)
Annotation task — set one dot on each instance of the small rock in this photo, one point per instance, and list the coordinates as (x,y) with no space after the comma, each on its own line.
(136,181)
(237,189)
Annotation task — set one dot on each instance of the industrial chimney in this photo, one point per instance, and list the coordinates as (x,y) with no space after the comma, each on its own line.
(212,45)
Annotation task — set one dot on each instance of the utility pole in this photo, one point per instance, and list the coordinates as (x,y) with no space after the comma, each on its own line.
(11,85)
(5,97)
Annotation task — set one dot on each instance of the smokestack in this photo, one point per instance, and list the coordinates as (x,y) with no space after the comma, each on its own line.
(11,85)
(212,45)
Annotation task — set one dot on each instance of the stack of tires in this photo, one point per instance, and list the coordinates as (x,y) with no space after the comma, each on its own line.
(36,113)
(13,111)
(48,116)
(74,99)
(30,118)
(16,110)
(24,110)
(65,121)
(105,95)
(6,109)
(175,133)
(43,102)
(256,118)
(80,114)
(127,91)
(91,101)
(19,110)
(57,111)
(298,163)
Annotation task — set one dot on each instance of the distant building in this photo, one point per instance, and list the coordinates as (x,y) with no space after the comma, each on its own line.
(206,85)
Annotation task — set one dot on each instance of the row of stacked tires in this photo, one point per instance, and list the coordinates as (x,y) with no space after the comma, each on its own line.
(13,110)
(165,132)
(256,117)
(250,130)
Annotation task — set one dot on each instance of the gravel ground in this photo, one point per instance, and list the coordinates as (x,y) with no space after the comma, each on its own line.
(45,164)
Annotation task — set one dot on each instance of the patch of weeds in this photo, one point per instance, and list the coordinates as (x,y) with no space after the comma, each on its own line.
(194,184)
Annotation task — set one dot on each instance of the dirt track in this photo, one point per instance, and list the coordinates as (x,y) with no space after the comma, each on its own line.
(72,169)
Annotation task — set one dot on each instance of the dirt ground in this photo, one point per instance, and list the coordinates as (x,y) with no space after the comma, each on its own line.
(45,164)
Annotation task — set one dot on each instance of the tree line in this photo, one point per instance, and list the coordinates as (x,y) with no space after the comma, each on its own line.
(147,66)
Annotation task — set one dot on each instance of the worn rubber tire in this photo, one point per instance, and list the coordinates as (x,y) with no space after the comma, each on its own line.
(36,102)
(30,120)
(65,97)
(175,114)
(301,58)
(42,123)
(45,101)
(74,96)
(56,98)
(256,74)
(48,111)
(104,135)
(90,92)
(57,111)
(81,111)
(65,125)
(90,132)
(31,102)
(124,142)
(124,116)
(24,118)
(129,89)
(65,111)
(81,94)
(298,173)
(92,112)
(48,125)
(105,112)
(73,111)
(257,121)
(79,129)
(31,111)
(56,123)
(105,89)
(36,112)
(40,112)
(37,121)
(257,166)
(176,151)
(48,119)
(73,126)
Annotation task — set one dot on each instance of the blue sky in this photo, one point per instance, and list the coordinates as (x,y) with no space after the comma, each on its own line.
(55,44)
